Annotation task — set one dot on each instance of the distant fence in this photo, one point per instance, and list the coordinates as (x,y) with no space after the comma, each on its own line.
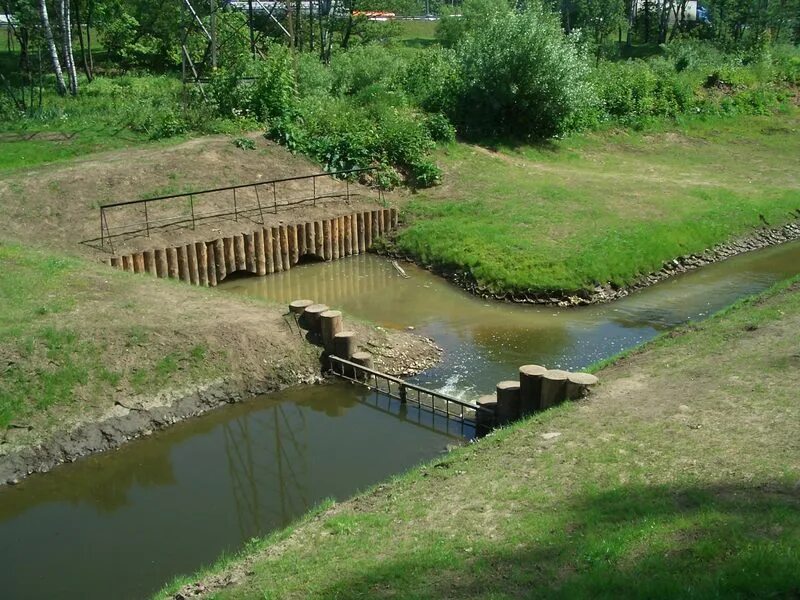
(249,200)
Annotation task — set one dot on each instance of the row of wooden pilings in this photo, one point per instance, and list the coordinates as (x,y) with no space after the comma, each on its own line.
(536,389)
(263,251)
(320,320)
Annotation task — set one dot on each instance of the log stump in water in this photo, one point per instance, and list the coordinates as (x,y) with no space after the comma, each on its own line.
(365,360)
(310,319)
(579,384)
(507,402)
(298,307)
(530,388)
(484,421)
(344,344)
(330,323)
(554,387)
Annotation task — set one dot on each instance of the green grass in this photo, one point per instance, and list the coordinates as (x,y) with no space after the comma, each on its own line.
(678,479)
(52,352)
(604,207)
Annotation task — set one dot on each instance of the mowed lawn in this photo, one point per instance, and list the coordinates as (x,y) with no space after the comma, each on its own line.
(604,207)
(678,478)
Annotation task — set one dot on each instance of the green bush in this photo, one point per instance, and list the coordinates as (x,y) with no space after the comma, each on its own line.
(274,92)
(431,80)
(521,77)
(365,66)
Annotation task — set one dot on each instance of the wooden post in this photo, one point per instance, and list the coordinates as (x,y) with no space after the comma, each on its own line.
(326,234)
(395,217)
(334,238)
(381,222)
(484,422)
(579,384)
(191,256)
(202,263)
(161,262)
(342,230)
(239,253)
(530,388)
(330,324)
(387,220)
(348,236)
(138,263)
(183,264)
(344,344)
(310,319)
(311,242)
(554,387)
(376,230)
(230,255)
(250,252)
(319,233)
(354,233)
(285,254)
(211,252)
(219,260)
(260,249)
(367,231)
(116,262)
(301,240)
(507,402)
(172,263)
(298,307)
(277,257)
(362,233)
(365,360)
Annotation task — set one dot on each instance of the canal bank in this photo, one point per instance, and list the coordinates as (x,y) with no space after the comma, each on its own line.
(678,477)
(483,342)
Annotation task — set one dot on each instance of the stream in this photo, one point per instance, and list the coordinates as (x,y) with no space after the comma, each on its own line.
(125,523)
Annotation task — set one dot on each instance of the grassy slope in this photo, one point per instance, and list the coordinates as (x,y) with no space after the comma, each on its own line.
(678,478)
(75,336)
(607,206)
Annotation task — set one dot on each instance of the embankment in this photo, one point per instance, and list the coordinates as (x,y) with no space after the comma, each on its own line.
(677,477)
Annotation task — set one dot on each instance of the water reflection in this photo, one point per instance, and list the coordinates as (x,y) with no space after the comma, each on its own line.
(121,524)
(486,341)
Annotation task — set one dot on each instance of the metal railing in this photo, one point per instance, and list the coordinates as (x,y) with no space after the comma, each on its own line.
(270,202)
(432,401)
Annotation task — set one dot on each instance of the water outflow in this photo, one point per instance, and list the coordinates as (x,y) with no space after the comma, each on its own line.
(486,341)
(122,524)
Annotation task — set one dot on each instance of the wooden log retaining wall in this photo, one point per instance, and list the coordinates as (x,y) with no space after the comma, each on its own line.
(263,251)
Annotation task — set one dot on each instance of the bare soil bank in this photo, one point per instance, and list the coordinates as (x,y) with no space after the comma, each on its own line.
(759,239)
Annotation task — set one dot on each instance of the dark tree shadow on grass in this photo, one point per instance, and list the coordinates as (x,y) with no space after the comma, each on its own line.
(726,541)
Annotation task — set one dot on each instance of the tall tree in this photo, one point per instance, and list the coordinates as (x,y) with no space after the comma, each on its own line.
(66,45)
(61,87)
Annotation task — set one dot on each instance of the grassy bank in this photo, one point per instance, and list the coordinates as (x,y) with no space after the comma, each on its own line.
(677,478)
(604,207)
(76,337)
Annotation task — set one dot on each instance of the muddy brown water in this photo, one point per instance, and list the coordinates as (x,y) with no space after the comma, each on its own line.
(121,525)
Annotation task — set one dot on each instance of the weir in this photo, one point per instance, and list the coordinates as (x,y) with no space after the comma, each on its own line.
(262,251)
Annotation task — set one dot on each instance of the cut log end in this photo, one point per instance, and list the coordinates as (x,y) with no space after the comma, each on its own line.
(298,307)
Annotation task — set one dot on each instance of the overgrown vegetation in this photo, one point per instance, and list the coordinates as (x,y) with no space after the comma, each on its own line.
(648,489)
(362,97)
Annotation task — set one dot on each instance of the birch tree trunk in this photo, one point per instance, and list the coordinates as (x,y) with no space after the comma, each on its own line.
(61,87)
(66,42)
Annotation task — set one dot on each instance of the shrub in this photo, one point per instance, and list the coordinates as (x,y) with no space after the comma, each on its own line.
(431,80)
(439,128)
(364,66)
(274,93)
(521,77)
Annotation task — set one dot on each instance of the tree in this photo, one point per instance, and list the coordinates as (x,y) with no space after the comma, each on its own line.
(61,87)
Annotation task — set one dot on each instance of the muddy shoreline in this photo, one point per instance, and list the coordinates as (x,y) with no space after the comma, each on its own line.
(406,354)
(761,238)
